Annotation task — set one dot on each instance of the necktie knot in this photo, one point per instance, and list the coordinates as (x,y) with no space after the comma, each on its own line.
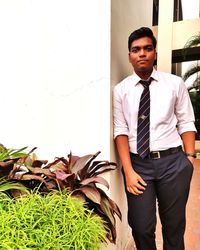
(146,83)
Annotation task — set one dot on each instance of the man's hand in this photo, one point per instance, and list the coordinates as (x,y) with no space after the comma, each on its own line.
(134,183)
(191,159)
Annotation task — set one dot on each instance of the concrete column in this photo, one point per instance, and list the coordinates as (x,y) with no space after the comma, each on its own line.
(165,30)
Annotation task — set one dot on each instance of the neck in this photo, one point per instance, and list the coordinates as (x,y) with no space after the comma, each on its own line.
(144,75)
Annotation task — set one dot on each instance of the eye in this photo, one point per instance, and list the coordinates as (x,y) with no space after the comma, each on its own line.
(149,48)
(134,50)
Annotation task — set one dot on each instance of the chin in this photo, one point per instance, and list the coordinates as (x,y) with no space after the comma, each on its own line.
(143,69)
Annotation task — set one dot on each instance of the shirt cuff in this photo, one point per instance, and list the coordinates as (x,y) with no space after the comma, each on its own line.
(182,128)
(117,133)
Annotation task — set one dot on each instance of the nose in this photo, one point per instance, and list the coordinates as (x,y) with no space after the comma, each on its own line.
(142,52)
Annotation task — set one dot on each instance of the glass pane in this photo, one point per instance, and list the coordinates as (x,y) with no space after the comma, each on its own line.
(183,10)
(155,12)
(190,9)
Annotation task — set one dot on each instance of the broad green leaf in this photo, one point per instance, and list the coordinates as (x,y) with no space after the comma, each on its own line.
(9,185)
(12,154)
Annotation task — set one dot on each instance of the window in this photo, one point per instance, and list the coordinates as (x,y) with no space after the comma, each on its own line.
(155,12)
(183,10)
(178,12)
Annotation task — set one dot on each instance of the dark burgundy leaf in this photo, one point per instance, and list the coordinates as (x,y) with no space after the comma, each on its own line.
(83,163)
(91,193)
(38,163)
(97,179)
(61,175)
(40,171)
(101,167)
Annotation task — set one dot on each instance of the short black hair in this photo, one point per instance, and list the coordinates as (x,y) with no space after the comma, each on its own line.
(139,33)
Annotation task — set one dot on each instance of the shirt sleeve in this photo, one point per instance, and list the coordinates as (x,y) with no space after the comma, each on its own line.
(120,124)
(184,110)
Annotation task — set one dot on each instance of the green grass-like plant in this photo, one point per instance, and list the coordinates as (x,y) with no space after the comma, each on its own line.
(53,221)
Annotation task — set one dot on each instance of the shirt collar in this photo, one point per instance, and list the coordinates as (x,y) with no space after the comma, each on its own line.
(136,78)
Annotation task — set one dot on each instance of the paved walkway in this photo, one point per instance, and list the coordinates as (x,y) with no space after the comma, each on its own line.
(192,234)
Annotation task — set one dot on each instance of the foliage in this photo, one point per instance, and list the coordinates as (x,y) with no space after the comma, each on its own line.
(195,99)
(194,90)
(194,41)
(78,175)
(6,154)
(194,69)
(54,221)
(6,187)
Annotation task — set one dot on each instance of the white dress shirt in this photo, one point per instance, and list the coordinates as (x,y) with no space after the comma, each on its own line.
(171,112)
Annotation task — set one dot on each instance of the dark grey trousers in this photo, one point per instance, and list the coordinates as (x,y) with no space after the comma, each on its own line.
(168,183)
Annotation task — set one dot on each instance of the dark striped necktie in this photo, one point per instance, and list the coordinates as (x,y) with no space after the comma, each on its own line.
(144,120)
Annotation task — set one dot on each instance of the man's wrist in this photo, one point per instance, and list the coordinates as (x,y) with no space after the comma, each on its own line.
(191,155)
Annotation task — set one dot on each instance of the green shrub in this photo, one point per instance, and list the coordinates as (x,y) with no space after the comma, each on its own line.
(54,221)
(81,176)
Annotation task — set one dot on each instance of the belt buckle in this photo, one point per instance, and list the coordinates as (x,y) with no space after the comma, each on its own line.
(156,155)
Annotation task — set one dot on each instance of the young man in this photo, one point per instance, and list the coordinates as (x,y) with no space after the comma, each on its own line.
(155,167)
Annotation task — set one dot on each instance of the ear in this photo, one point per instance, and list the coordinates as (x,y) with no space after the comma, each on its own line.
(155,55)
(129,57)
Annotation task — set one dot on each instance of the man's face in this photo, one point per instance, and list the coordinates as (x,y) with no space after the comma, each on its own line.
(142,55)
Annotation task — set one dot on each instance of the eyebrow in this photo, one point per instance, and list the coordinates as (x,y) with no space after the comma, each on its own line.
(145,46)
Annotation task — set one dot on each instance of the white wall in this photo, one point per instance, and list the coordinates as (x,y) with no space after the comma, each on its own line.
(165,29)
(55,76)
(183,31)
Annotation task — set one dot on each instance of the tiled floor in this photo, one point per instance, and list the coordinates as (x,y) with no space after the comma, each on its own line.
(192,235)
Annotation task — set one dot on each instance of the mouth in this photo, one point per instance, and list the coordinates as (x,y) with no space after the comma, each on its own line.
(142,61)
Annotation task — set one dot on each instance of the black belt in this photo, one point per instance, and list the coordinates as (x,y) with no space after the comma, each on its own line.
(162,153)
